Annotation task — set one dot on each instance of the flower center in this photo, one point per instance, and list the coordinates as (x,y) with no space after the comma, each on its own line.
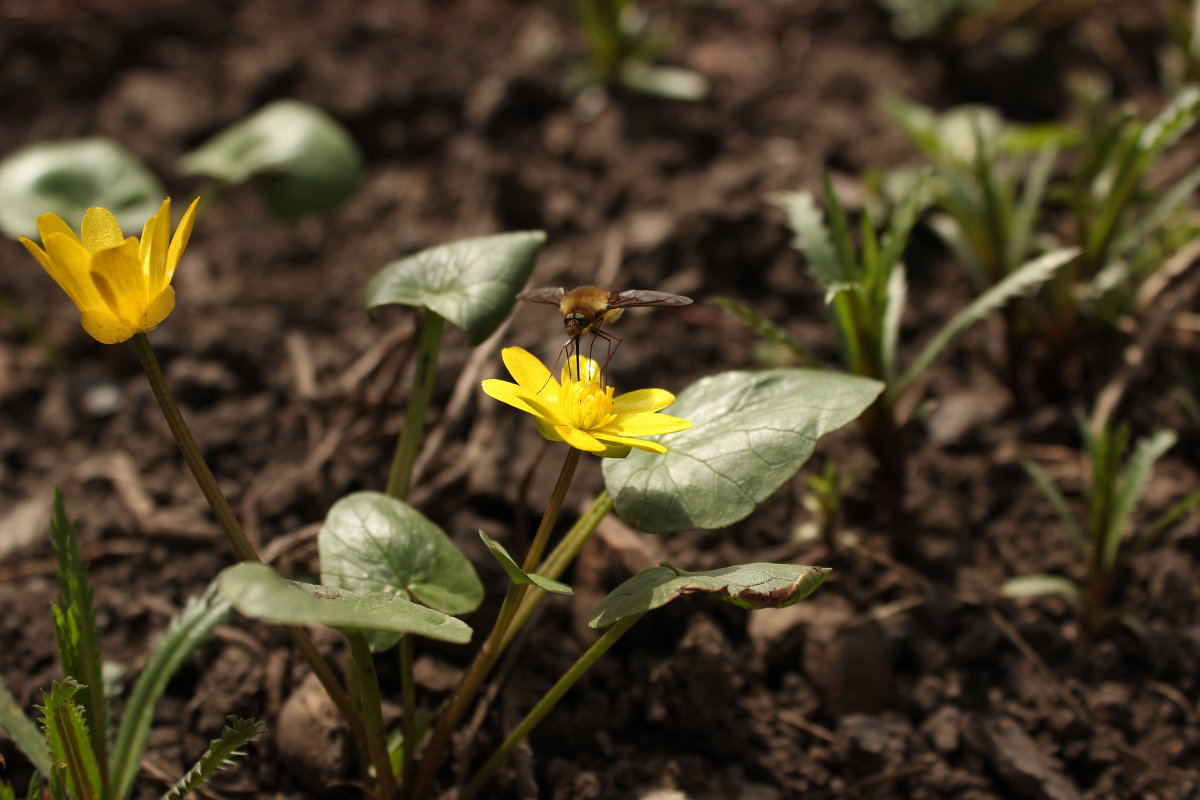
(587,406)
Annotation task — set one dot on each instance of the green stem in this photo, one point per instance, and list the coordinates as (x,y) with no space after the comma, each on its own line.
(233,530)
(491,650)
(559,559)
(582,665)
(409,444)
(368,688)
(408,699)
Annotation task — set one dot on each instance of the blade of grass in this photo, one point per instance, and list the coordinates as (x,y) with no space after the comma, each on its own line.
(1025,279)
(186,633)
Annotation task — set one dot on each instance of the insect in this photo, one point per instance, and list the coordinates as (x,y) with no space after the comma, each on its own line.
(585,309)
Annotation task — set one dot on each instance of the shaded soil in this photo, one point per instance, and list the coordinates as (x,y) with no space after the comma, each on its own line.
(899,679)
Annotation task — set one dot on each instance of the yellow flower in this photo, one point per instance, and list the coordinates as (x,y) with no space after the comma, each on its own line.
(122,286)
(582,413)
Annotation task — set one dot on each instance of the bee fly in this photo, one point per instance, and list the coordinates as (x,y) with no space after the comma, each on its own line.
(585,309)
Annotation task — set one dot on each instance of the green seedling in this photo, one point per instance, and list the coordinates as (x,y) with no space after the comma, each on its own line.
(1118,477)
(866,291)
(623,46)
(72,751)
(1126,226)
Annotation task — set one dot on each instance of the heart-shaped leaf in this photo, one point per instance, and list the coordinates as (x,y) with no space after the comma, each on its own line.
(749,586)
(471,282)
(70,177)
(258,591)
(517,575)
(303,160)
(752,431)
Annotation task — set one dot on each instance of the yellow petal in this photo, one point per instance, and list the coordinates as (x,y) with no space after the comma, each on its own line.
(117,275)
(156,235)
(640,444)
(104,327)
(581,370)
(520,399)
(180,241)
(100,230)
(160,307)
(530,373)
(642,400)
(70,266)
(52,223)
(578,439)
(647,424)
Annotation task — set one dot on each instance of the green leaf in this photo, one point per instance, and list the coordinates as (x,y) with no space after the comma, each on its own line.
(303,160)
(1132,485)
(75,628)
(371,542)
(753,431)
(1043,482)
(807,222)
(67,736)
(23,731)
(220,754)
(471,282)
(750,586)
(517,575)
(186,633)
(765,328)
(258,591)
(374,543)
(1039,585)
(1023,280)
(68,178)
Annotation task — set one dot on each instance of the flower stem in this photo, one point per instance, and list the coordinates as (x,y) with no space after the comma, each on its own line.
(551,698)
(233,530)
(491,650)
(428,346)
(368,687)
(559,559)
(408,700)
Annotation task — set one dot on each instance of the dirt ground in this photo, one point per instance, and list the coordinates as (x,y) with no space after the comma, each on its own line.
(900,678)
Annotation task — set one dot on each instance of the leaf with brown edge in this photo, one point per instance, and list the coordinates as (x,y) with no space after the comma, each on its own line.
(749,586)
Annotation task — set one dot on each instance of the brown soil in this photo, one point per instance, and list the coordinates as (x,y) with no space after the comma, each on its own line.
(897,680)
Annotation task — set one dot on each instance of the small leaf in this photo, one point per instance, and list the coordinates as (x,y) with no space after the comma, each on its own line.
(220,754)
(807,222)
(1038,585)
(75,626)
(374,543)
(752,431)
(303,160)
(517,575)
(471,282)
(669,83)
(258,591)
(68,178)
(23,732)
(750,586)
(67,736)
(765,328)
(371,542)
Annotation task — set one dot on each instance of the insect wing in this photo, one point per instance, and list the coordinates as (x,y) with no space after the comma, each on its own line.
(547,294)
(645,297)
